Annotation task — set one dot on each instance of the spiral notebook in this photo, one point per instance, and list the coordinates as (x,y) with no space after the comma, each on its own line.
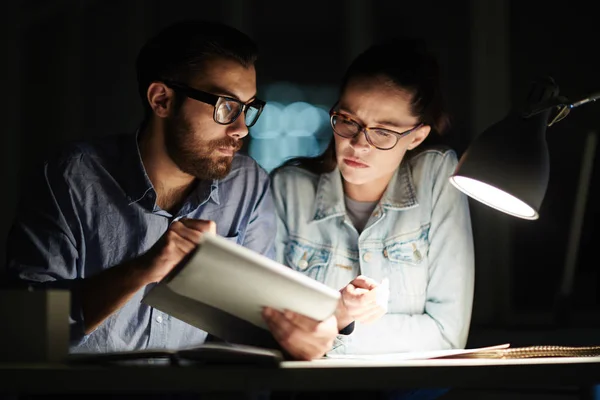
(501,351)
(531,352)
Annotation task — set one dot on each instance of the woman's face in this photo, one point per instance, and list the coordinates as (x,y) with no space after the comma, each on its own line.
(374,103)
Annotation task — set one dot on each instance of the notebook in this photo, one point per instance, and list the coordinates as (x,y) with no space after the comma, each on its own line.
(206,354)
(222,288)
(532,352)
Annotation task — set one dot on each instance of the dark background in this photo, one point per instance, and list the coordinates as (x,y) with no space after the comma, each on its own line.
(67,73)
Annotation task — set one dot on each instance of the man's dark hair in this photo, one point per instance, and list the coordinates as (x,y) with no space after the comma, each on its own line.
(181,50)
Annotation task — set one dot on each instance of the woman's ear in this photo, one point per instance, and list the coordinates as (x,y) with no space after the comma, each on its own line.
(418,136)
(161,99)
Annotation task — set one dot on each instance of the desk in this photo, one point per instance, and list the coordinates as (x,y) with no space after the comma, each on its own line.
(320,375)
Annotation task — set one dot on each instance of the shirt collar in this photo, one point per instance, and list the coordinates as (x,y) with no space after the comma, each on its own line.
(330,196)
(136,183)
(399,195)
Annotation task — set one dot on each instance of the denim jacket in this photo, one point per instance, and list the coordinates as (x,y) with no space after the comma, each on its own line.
(419,236)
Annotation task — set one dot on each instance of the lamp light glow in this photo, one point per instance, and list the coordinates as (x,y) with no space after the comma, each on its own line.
(494,197)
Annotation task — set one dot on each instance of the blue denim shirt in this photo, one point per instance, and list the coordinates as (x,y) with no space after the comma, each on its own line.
(94,207)
(418,236)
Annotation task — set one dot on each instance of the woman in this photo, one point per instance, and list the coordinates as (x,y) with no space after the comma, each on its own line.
(375,215)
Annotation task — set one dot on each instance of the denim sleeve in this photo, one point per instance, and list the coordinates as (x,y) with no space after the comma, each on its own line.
(281,235)
(451,261)
(449,297)
(259,234)
(42,245)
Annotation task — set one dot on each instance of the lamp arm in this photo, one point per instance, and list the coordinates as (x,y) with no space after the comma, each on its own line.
(585,100)
(545,105)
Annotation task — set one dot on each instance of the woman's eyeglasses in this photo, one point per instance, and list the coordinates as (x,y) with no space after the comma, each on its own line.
(383,139)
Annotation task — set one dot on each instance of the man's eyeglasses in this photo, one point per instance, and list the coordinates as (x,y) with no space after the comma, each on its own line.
(383,139)
(227,109)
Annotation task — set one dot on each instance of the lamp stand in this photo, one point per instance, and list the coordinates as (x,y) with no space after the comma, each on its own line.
(562,306)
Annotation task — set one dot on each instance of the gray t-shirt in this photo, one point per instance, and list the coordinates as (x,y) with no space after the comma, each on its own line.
(359,212)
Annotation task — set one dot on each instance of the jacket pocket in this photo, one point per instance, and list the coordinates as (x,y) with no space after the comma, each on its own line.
(406,257)
(235,238)
(307,258)
(408,249)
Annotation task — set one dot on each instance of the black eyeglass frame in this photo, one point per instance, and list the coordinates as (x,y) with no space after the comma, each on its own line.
(213,100)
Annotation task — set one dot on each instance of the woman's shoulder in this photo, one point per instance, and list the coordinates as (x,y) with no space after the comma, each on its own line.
(433,157)
(291,175)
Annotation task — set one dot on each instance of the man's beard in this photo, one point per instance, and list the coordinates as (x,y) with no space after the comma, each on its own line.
(195,156)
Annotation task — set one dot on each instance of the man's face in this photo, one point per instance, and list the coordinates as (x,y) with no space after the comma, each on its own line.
(195,142)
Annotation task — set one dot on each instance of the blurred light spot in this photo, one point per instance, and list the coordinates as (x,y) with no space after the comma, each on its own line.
(269,123)
(301,119)
(324,132)
(270,153)
(294,123)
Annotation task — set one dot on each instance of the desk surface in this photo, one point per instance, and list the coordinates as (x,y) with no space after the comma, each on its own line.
(322,375)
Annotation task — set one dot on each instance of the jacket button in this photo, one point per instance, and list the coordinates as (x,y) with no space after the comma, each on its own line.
(385,253)
(367,256)
(302,264)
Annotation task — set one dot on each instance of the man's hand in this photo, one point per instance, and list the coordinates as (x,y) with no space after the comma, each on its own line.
(302,337)
(105,293)
(180,239)
(362,300)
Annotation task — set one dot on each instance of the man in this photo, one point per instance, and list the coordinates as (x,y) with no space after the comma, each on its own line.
(107,219)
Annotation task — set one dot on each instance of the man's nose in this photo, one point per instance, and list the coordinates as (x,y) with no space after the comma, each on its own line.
(238,129)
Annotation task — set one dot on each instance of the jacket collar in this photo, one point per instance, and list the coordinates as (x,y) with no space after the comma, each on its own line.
(399,195)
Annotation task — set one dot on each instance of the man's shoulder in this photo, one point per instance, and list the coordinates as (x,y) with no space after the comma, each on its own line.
(77,155)
(244,167)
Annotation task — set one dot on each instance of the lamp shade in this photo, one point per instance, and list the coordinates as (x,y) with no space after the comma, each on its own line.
(507,166)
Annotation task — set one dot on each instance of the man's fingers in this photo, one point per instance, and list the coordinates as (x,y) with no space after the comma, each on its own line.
(292,320)
(301,321)
(279,325)
(200,225)
(191,235)
(289,329)
(179,243)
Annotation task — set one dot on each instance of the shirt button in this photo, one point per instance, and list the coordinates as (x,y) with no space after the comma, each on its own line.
(367,256)
(159,319)
(302,264)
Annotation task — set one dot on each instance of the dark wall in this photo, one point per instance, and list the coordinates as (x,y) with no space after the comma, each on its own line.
(70,75)
(560,42)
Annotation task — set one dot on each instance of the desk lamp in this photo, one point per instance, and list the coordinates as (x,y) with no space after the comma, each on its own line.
(507,166)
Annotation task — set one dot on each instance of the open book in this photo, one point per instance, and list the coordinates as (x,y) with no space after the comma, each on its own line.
(222,288)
